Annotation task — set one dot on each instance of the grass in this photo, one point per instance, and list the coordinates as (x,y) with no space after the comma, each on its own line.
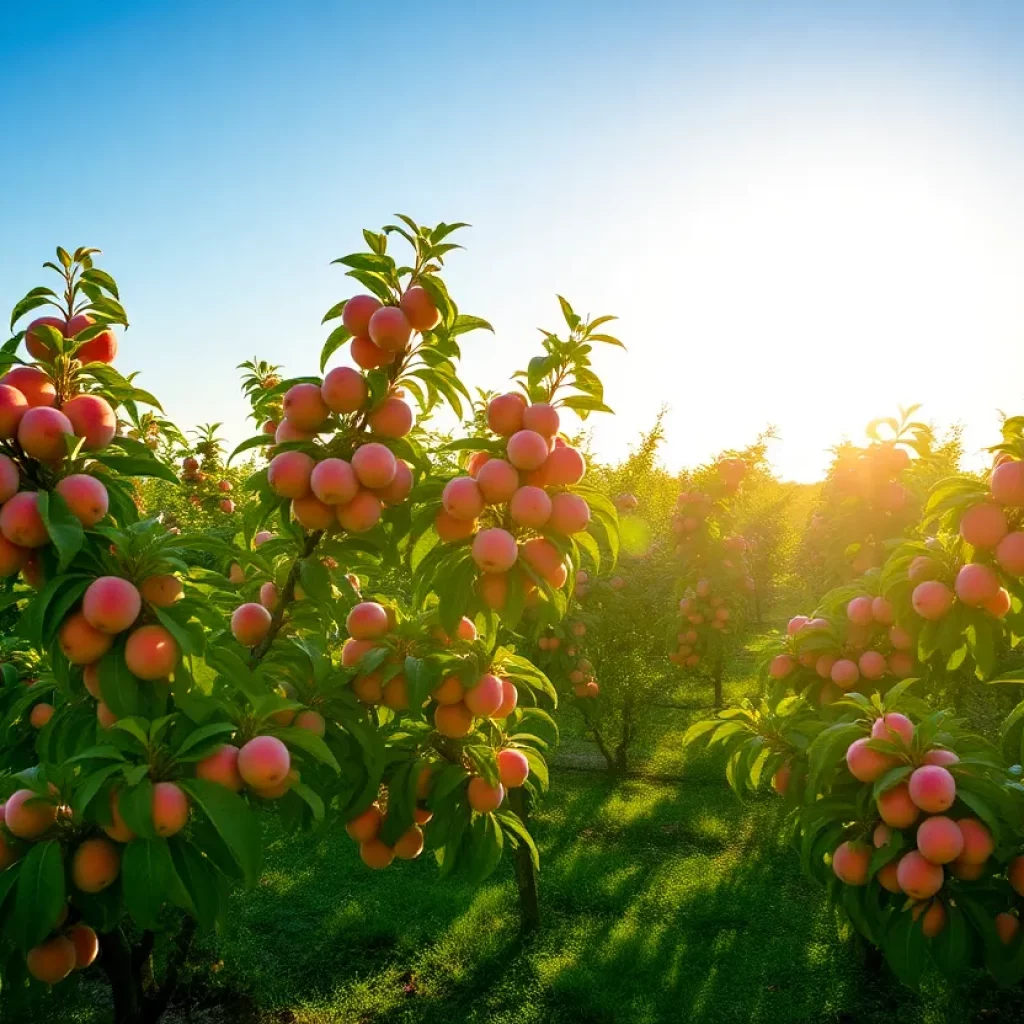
(662,901)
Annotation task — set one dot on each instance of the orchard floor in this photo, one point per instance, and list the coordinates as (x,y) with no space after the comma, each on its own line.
(663,901)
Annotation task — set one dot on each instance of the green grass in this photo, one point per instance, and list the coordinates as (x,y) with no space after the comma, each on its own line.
(663,901)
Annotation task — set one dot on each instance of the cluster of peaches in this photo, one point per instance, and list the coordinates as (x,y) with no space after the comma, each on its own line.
(921,808)
(507,505)
(567,657)
(993,528)
(868,645)
(701,611)
(193,474)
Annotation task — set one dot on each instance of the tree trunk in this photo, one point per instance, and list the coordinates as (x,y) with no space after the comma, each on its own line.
(125,982)
(526,875)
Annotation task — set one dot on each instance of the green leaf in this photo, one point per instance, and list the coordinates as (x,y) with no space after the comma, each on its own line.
(40,895)
(127,465)
(338,337)
(63,526)
(201,735)
(310,743)
(201,880)
(147,877)
(464,324)
(234,822)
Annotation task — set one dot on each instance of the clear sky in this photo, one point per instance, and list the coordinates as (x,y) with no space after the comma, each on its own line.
(804,214)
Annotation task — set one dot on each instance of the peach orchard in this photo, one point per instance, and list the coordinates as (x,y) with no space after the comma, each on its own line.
(165,687)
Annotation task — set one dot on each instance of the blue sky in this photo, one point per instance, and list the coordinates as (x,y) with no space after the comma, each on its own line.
(804,214)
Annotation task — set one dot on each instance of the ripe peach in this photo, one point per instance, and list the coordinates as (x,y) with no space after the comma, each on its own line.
(374,465)
(1010,553)
(781,779)
(505,413)
(304,406)
(117,830)
(494,550)
(389,329)
(312,514)
(872,665)
(865,764)
(92,418)
(563,467)
(476,461)
(881,835)
(493,589)
(1006,483)
(484,697)
(334,481)
(40,715)
(81,642)
(357,312)
(269,596)
(923,569)
(287,431)
(250,624)
(976,584)
(823,666)
(400,488)
(35,385)
(544,558)
(1007,927)
(795,624)
(362,513)
(12,558)
(1015,875)
(451,530)
(261,538)
(509,699)
(850,862)
(111,604)
(391,418)
(170,809)
(893,727)
(95,865)
(236,574)
(85,496)
(932,600)
(483,797)
(222,767)
(542,418)
(353,650)
(264,762)
(395,693)
(919,878)
(978,843)
(86,943)
(367,621)
(419,309)
(162,591)
(38,346)
(376,854)
(100,349)
(21,523)
(530,507)
(104,716)
(859,612)
(410,844)
(1000,604)
(151,653)
(289,474)
(781,666)
(940,840)
(13,406)
(513,768)
(882,611)
(344,390)
(569,514)
(369,688)
(896,808)
(227,506)
(984,525)
(91,680)
(10,478)
(845,674)
(887,877)
(940,757)
(51,961)
(28,815)
(527,450)
(311,721)
(462,498)
(497,481)
(365,826)
(42,431)
(453,720)
(369,356)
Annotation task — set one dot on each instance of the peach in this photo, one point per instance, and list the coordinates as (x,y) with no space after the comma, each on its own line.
(781,666)
(100,349)
(369,688)
(353,650)
(91,418)
(940,757)
(261,538)
(289,474)
(976,584)
(493,589)
(91,681)
(410,844)
(42,431)
(35,385)
(400,488)
(781,779)
(544,558)
(81,642)
(222,767)
(357,312)
(264,762)
(530,507)
(850,862)
(872,665)
(900,638)
(569,514)
(287,431)
(37,344)
(10,478)
(462,498)
(269,596)
(483,797)
(542,418)
(1010,553)
(845,674)
(367,621)
(450,691)
(12,558)
(1006,483)
(959,868)
(85,496)
(1000,604)
(311,721)
(111,604)
(887,877)
(923,569)
(151,653)
(1007,927)
(395,693)
(236,574)
(978,843)
(932,600)
(13,406)
(494,550)
(21,523)
(28,815)
(484,697)
(374,465)
(419,309)
(940,840)
(367,355)
(40,715)
(918,877)
(498,481)
(250,624)
(509,699)
(984,525)
(117,830)
(312,514)
(376,854)
(104,716)
(451,530)
(51,961)
(344,390)
(362,513)
(823,666)
(795,624)
(304,406)
(86,943)
(513,768)
(334,482)
(1015,875)
(392,418)
(95,865)
(389,329)
(564,467)
(527,450)
(505,413)
(365,826)
(453,720)
(865,764)
(896,808)
(476,461)
(859,612)
(170,809)
(893,727)
(881,835)
(882,611)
